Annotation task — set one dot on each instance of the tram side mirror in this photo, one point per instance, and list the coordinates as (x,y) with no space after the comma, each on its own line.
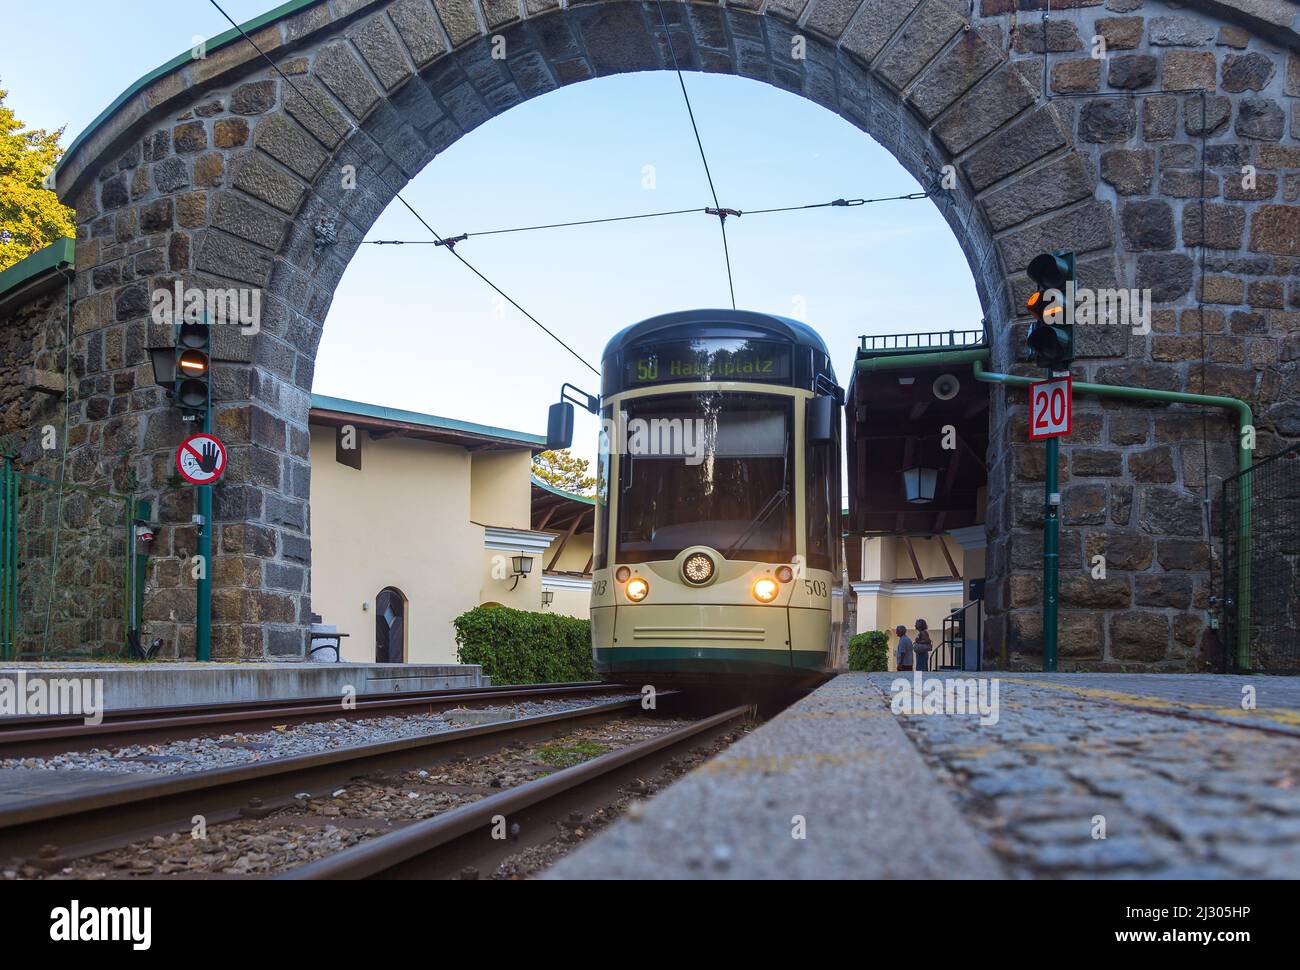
(821,420)
(559,426)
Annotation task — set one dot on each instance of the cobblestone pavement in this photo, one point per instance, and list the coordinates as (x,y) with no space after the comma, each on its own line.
(1275,701)
(1185,788)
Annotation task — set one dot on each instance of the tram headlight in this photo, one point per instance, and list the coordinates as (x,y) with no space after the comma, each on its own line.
(622,574)
(637,589)
(765,589)
(697,569)
(784,573)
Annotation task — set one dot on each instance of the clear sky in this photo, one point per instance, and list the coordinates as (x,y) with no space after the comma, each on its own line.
(412,328)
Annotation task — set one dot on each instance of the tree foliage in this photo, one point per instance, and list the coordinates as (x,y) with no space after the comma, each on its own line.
(565,471)
(31,216)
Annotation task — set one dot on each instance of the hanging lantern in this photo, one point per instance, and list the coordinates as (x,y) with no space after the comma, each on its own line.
(919,484)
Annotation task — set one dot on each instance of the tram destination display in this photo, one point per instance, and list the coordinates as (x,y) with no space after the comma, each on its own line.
(708,359)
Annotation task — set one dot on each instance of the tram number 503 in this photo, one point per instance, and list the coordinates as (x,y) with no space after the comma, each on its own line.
(1050,408)
(815,587)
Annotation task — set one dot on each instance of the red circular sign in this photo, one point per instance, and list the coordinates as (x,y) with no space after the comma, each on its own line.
(201,459)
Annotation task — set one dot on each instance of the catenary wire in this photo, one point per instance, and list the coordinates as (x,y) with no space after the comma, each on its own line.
(645,215)
(719,211)
(398,196)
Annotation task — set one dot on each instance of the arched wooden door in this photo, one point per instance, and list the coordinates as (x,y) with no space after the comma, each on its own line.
(390,626)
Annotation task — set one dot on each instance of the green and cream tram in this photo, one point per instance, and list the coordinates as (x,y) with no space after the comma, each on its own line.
(717,541)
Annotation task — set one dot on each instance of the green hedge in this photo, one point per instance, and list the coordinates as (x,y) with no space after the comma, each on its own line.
(519,647)
(869,651)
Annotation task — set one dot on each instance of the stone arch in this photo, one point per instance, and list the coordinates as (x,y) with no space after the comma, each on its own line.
(217,173)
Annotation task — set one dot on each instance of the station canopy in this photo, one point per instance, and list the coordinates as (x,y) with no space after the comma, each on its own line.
(914,406)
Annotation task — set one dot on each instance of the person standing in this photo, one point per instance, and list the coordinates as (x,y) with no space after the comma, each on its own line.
(923,645)
(905,653)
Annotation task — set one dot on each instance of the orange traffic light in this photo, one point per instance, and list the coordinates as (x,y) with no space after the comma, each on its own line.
(193,369)
(193,363)
(1043,311)
(1051,337)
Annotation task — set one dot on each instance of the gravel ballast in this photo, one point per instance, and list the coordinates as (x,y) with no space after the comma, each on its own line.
(290,740)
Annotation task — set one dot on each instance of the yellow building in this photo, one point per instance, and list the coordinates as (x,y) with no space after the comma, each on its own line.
(571,519)
(416,519)
(898,579)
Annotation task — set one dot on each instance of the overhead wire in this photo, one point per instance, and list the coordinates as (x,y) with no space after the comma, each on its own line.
(718,209)
(850,203)
(450,242)
(397,194)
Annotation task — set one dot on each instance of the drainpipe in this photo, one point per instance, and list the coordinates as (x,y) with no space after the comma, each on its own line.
(1245,419)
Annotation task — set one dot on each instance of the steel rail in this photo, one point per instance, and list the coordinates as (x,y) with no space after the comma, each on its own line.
(462,842)
(89,821)
(36,735)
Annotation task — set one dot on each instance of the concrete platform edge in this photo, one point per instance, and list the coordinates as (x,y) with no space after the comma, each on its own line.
(839,761)
(134,686)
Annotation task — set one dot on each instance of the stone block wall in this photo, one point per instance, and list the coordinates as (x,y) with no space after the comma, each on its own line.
(222,174)
(1181,94)
(69,606)
(31,338)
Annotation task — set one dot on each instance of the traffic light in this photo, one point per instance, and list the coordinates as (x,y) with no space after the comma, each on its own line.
(1051,336)
(184,369)
(193,368)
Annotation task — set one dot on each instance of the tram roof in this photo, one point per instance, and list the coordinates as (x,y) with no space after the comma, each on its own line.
(799,333)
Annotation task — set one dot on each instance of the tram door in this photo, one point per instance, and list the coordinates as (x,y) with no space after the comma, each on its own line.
(390,627)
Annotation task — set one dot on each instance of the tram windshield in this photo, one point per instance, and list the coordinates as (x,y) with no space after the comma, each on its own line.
(712,469)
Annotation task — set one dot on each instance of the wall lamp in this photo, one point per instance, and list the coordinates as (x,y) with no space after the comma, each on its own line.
(164,366)
(522,566)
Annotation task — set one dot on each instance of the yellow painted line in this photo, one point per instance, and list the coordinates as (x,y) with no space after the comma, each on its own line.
(976,752)
(1278,715)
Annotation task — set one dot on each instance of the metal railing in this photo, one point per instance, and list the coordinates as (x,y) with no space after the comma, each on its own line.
(1267,556)
(950,654)
(897,343)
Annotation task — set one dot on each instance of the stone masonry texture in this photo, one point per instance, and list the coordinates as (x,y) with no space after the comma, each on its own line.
(1171,164)
(1187,784)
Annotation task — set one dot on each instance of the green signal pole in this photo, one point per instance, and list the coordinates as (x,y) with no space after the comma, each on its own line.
(1051,556)
(203,501)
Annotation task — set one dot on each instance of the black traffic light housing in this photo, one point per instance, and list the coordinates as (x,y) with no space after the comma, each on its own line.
(1051,336)
(193,390)
(185,369)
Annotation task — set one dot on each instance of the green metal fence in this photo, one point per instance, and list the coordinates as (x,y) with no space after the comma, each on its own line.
(1260,596)
(67,587)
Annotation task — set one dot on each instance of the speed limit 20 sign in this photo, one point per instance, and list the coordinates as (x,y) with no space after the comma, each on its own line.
(1050,412)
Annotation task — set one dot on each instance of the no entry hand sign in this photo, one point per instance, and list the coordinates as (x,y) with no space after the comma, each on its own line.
(201,459)
(1049,408)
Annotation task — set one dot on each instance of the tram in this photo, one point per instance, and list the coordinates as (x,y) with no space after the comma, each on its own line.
(717,555)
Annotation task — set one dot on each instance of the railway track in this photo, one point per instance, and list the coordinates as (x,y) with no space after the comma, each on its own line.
(33,736)
(467,841)
(51,828)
